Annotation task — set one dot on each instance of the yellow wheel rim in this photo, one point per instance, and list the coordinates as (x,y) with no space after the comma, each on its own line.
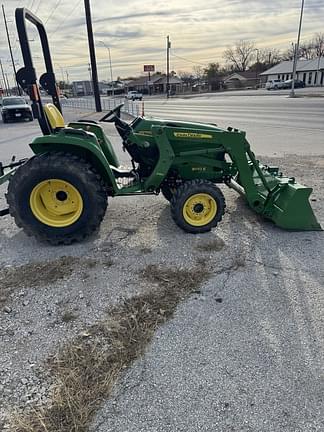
(200,209)
(56,203)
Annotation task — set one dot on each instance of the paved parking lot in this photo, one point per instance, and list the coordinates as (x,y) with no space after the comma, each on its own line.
(244,353)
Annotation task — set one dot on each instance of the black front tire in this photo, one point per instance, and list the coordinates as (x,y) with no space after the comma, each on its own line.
(67,168)
(192,189)
(4,120)
(167,193)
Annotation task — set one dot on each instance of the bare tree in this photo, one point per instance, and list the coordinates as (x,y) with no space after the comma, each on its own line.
(269,56)
(306,50)
(288,54)
(318,43)
(198,73)
(187,78)
(240,56)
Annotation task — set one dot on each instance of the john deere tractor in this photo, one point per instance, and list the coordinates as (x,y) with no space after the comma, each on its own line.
(60,194)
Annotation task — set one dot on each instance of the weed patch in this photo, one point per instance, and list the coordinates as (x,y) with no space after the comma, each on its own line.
(85,370)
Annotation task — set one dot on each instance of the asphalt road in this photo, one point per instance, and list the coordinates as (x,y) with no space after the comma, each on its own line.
(275,124)
(252,362)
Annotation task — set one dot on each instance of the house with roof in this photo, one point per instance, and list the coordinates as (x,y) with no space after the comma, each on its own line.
(242,79)
(157,84)
(309,71)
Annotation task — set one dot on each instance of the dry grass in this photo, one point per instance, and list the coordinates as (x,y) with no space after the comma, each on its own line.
(85,370)
(43,273)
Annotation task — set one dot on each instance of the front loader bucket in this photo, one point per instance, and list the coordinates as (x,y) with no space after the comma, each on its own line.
(289,208)
(274,196)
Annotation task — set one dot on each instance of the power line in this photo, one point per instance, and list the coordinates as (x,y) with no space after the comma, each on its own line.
(66,17)
(187,60)
(53,10)
(36,10)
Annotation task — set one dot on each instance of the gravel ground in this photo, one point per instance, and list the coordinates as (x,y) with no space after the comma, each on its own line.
(244,355)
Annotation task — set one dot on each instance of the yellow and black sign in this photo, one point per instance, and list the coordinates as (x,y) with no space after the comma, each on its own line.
(192,135)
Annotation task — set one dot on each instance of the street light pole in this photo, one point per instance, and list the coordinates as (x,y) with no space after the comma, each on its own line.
(318,79)
(256,68)
(292,93)
(168,66)
(111,74)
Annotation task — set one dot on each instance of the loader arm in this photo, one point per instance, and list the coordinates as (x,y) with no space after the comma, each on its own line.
(269,193)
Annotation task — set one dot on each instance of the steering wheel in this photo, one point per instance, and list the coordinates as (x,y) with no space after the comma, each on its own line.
(112,114)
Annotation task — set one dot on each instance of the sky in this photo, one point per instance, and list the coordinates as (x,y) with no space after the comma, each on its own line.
(135,32)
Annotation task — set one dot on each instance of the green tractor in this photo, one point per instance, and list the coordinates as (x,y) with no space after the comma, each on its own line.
(60,194)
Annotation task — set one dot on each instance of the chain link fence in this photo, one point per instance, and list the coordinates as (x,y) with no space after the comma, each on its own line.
(132,108)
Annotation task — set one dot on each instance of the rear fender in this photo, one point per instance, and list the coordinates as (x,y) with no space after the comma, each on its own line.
(88,149)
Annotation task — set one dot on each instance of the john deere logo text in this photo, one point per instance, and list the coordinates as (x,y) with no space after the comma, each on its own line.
(192,135)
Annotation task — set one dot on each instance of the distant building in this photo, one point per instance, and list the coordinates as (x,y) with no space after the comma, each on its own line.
(157,84)
(309,71)
(242,80)
(118,87)
(82,88)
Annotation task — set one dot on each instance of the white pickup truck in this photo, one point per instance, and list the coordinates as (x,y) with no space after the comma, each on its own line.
(274,84)
(133,95)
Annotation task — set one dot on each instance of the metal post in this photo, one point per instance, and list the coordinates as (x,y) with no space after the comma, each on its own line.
(9,45)
(92,56)
(168,66)
(4,79)
(256,69)
(8,85)
(318,78)
(111,73)
(292,93)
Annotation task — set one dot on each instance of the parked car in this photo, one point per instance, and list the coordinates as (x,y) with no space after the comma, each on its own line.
(274,84)
(298,84)
(15,108)
(134,95)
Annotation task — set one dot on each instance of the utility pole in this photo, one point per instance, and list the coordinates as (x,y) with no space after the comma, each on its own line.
(292,93)
(8,85)
(92,56)
(318,78)
(4,79)
(168,66)
(256,68)
(9,45)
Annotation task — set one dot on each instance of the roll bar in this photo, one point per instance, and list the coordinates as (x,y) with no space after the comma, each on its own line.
(27,77)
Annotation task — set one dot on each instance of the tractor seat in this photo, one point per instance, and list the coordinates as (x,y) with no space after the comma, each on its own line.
(56,121)
(54,116)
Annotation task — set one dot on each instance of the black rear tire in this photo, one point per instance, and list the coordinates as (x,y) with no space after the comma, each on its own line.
(68,169)
(199,201)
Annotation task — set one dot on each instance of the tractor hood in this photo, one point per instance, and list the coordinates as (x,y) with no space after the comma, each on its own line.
(144,125)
